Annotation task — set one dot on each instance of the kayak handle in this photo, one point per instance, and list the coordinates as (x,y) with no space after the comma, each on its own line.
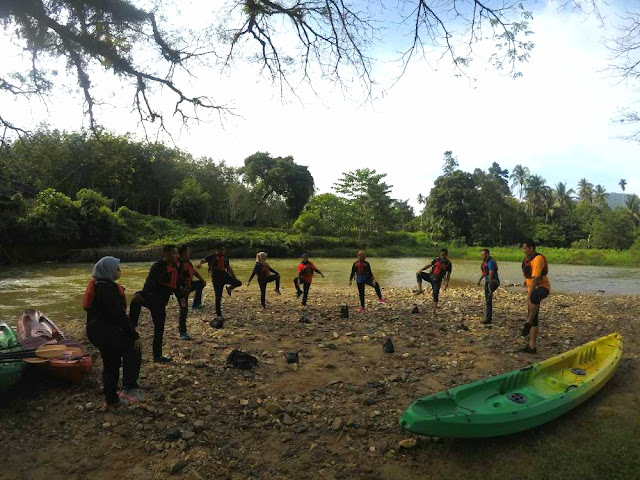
(570,387)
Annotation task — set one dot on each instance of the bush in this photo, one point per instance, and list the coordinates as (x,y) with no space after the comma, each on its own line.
(189,202)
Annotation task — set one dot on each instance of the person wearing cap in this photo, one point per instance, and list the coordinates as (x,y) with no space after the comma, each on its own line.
(112,333)
(306,270)
(361,270)
(266,275)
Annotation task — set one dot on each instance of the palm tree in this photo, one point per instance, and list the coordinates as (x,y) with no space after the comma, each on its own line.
(633,204)
(535,194)
(623,186)
(600,196)
(422,200)
(585,191)
(519,177)
(564,197)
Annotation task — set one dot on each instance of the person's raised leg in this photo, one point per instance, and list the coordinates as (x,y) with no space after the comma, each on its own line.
(296,284)
(197,286)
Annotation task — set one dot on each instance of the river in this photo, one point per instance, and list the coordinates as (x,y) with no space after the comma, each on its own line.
(57,288)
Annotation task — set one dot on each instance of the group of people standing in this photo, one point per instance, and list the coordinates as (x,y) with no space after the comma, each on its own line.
(114,333)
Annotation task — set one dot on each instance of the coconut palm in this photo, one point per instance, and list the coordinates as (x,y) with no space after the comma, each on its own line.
(564,197)
(519,177)
(623,186)
(633,204)
(536,190)
(600,196)
(585,191)
(422,200)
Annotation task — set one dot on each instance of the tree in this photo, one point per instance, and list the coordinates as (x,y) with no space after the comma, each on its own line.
(519,178)
(321,39)
(633,205)
(600,196)
(450,163)
(327,214)
(280,177)
(368,195)
(623,186)
(564,196)
(189,201)
(536,193)
(585,191)
(613,230)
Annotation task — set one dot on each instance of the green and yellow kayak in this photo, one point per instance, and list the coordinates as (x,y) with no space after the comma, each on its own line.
(517,400)
(10,370)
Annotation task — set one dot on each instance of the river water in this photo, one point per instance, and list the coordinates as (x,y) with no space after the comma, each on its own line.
(57,288)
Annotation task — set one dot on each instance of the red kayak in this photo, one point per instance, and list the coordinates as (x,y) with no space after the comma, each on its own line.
(36,329)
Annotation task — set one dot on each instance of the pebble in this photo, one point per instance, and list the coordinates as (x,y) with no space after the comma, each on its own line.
(106,425)
(337,424)
(273,408)
(262,413)
(366,338)
(287,420)
(188,435)
(244,402)
(408,443)
(178,466)
(198,425)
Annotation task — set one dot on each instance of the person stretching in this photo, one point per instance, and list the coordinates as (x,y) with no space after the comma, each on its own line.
(441,267)
(186,285)
(535,269)
(306,270)
(265,274)
(221,274)
(361,270)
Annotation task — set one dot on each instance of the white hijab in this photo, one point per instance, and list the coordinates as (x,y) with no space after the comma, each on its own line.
(106,268)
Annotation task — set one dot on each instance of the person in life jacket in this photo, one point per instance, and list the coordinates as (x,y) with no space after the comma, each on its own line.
(113,334)
(221,274)
(265,275)
(488,272)
(535,269)
(441,269)
(361,270)
(161,283)
(186,285)
(306,270)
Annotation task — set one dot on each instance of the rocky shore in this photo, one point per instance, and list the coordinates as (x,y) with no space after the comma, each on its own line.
(332,415)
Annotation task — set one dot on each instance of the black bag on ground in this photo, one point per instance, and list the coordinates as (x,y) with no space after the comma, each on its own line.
(242,360)
(388,346)
(344,311)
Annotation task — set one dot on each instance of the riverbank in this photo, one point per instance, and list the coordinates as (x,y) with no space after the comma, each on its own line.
(336,415)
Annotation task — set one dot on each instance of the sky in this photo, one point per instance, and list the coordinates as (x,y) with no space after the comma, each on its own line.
(557,119)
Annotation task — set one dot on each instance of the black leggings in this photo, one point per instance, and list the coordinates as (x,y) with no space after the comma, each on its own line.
(369,282)
(219,281)
(263,287)
(306,286)
(536,297)
(158,308)
(436,283)
(183,302)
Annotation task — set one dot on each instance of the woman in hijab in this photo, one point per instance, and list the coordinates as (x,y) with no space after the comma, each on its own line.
(265,274)
(109,329)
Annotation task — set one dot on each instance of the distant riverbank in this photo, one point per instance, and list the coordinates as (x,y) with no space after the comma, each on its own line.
(246,242)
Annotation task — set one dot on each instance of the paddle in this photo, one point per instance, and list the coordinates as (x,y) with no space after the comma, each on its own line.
(45,351)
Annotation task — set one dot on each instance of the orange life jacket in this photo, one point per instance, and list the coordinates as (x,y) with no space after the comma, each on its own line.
(439,267)
(218,264)
(186,273)
(264,270)
(526,266)
(361,267)
(90,294)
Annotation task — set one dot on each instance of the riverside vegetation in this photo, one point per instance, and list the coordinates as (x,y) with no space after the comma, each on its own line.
(62,191)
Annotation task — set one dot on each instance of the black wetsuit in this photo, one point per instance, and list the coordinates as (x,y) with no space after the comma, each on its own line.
(266,275)
(364,276)
(218,266)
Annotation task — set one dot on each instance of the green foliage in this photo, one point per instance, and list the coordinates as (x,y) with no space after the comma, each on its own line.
(614,230)
(189,202)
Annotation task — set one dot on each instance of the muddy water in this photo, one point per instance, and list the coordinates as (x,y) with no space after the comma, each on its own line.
(57,288)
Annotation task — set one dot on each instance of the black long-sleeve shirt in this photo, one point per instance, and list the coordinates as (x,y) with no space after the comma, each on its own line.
(363,271)
(261,272)
(109,308)
(162,279)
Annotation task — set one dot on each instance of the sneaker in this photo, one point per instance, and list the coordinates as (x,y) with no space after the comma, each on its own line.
(131,395)
(487,322)
(278,292)
(197,307)
(361,309)
(528,349)
(112,406)
(161,360)
(229,290)
(525,329)
(418,292)
(298,293)
(382,301)
(185,336)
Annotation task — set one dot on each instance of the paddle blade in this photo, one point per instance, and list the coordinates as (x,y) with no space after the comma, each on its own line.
(50,351)
(35,360)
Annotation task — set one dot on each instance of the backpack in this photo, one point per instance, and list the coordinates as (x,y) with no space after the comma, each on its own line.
(344,311)
(388,346)
(241,360)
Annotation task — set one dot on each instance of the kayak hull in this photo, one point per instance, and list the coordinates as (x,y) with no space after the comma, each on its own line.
(36,329)
(518,400)
(10,371)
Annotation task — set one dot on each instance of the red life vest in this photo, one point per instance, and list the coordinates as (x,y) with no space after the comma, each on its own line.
(526,266)
(90,294)
(186,273)
(218,264)
(361,267)
(264,270)
(485,270)
(439,267)
(170,279)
